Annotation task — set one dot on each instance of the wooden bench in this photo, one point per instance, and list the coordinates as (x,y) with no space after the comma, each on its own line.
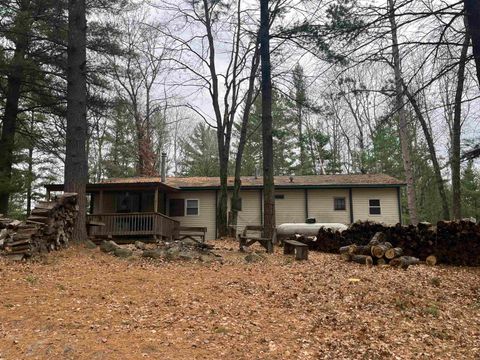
(193,233)
(246,239)
(300,250)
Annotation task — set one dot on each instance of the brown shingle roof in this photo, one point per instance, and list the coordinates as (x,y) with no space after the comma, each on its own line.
(281,181)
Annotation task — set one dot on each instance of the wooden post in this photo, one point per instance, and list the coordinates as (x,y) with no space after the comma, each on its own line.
(48,195)
(100,203)
(155,203)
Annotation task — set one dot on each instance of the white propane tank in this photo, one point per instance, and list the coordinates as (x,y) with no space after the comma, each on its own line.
(290,229)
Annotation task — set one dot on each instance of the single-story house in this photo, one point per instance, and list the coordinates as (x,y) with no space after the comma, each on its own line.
(141,206)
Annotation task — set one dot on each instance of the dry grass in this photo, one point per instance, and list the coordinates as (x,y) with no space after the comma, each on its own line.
(83,304)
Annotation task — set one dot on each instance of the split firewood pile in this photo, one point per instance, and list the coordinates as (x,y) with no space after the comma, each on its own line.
(451,242)
(381,252)
(49,227)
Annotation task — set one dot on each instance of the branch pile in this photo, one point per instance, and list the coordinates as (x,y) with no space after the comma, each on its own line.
(49,227)
(451,242)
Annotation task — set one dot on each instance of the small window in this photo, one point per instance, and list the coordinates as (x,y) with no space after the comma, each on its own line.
(339,203)
(279,196)
(236,205)
(176,207)
(374,205)
(192,207)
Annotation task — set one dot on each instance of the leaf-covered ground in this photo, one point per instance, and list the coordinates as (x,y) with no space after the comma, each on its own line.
(84,304)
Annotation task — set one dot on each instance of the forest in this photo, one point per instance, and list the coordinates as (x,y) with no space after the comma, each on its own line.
(98,89)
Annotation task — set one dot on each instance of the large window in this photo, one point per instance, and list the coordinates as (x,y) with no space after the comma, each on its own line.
(192,207)
(374,205)
(176,207)
(339,203)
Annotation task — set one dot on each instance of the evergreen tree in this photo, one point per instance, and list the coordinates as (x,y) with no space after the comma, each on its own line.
(284,139)
(200,153)
(471,192)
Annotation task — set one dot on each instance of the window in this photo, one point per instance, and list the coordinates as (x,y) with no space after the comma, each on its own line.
(176,207)
(279,196)
(192,207)
(339,203)
(374,205)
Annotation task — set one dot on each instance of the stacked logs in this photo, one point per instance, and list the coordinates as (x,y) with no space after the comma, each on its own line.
(381,252)
(452,242)
(49,227)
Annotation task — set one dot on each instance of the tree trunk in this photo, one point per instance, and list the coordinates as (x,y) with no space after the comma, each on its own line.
(9,121)
(456,133)
(402,118)
(267,139)
(76,167)
(431,150)
(472,10)
(243,136)
(30,166)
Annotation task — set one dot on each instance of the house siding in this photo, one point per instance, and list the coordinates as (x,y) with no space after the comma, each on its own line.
(388,204)
(320,205)
(291,209)
(206,216)
(251,213)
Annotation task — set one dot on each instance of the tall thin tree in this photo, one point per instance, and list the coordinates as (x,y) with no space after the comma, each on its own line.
(76,168)
(267,138)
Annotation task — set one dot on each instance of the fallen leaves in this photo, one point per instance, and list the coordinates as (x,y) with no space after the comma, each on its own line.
(86,305)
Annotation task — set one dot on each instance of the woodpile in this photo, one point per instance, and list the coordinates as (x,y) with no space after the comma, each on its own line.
(379,252)
(450,242)
(49,227)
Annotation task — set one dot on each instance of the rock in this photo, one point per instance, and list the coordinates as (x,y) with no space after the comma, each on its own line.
(153,254)
(254,258)
(122,252)
(108,246)
(140,245)
(207,258)
(89,244)
(172,253)
(187,255)
(189,242)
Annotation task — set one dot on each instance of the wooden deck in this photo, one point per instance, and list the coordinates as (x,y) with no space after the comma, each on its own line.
(147,224)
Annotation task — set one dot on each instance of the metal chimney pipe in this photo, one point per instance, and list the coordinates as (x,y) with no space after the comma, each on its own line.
(163,172)
(256,172)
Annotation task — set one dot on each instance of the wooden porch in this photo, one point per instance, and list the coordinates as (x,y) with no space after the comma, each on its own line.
(139,224)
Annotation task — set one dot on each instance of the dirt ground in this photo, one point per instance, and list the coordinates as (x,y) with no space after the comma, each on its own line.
(84,304)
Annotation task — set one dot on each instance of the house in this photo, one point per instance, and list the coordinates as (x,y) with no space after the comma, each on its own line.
(148,206)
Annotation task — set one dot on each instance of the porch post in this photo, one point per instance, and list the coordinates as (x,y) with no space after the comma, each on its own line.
(155,204)
(100,203)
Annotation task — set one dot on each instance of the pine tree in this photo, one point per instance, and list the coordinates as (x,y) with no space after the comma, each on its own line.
(199,152)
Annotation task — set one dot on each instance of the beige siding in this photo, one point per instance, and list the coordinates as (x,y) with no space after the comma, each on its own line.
(320,205)
(388,203)
(291,209)
(251,208)
(206,216)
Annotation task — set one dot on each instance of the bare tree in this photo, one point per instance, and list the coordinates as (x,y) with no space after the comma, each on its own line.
(136,72)
(402,117)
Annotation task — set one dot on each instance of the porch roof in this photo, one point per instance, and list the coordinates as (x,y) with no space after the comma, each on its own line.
(121,185)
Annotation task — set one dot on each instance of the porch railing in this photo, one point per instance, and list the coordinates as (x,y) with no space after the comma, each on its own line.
(133,224)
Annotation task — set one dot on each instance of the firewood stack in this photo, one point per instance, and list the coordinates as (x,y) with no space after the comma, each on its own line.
(451,242)
(49,227)
(381,252)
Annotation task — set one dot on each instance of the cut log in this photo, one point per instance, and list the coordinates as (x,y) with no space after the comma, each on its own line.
(363,259)
(378,251)
(431,260)
(404,261)
(393,253)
